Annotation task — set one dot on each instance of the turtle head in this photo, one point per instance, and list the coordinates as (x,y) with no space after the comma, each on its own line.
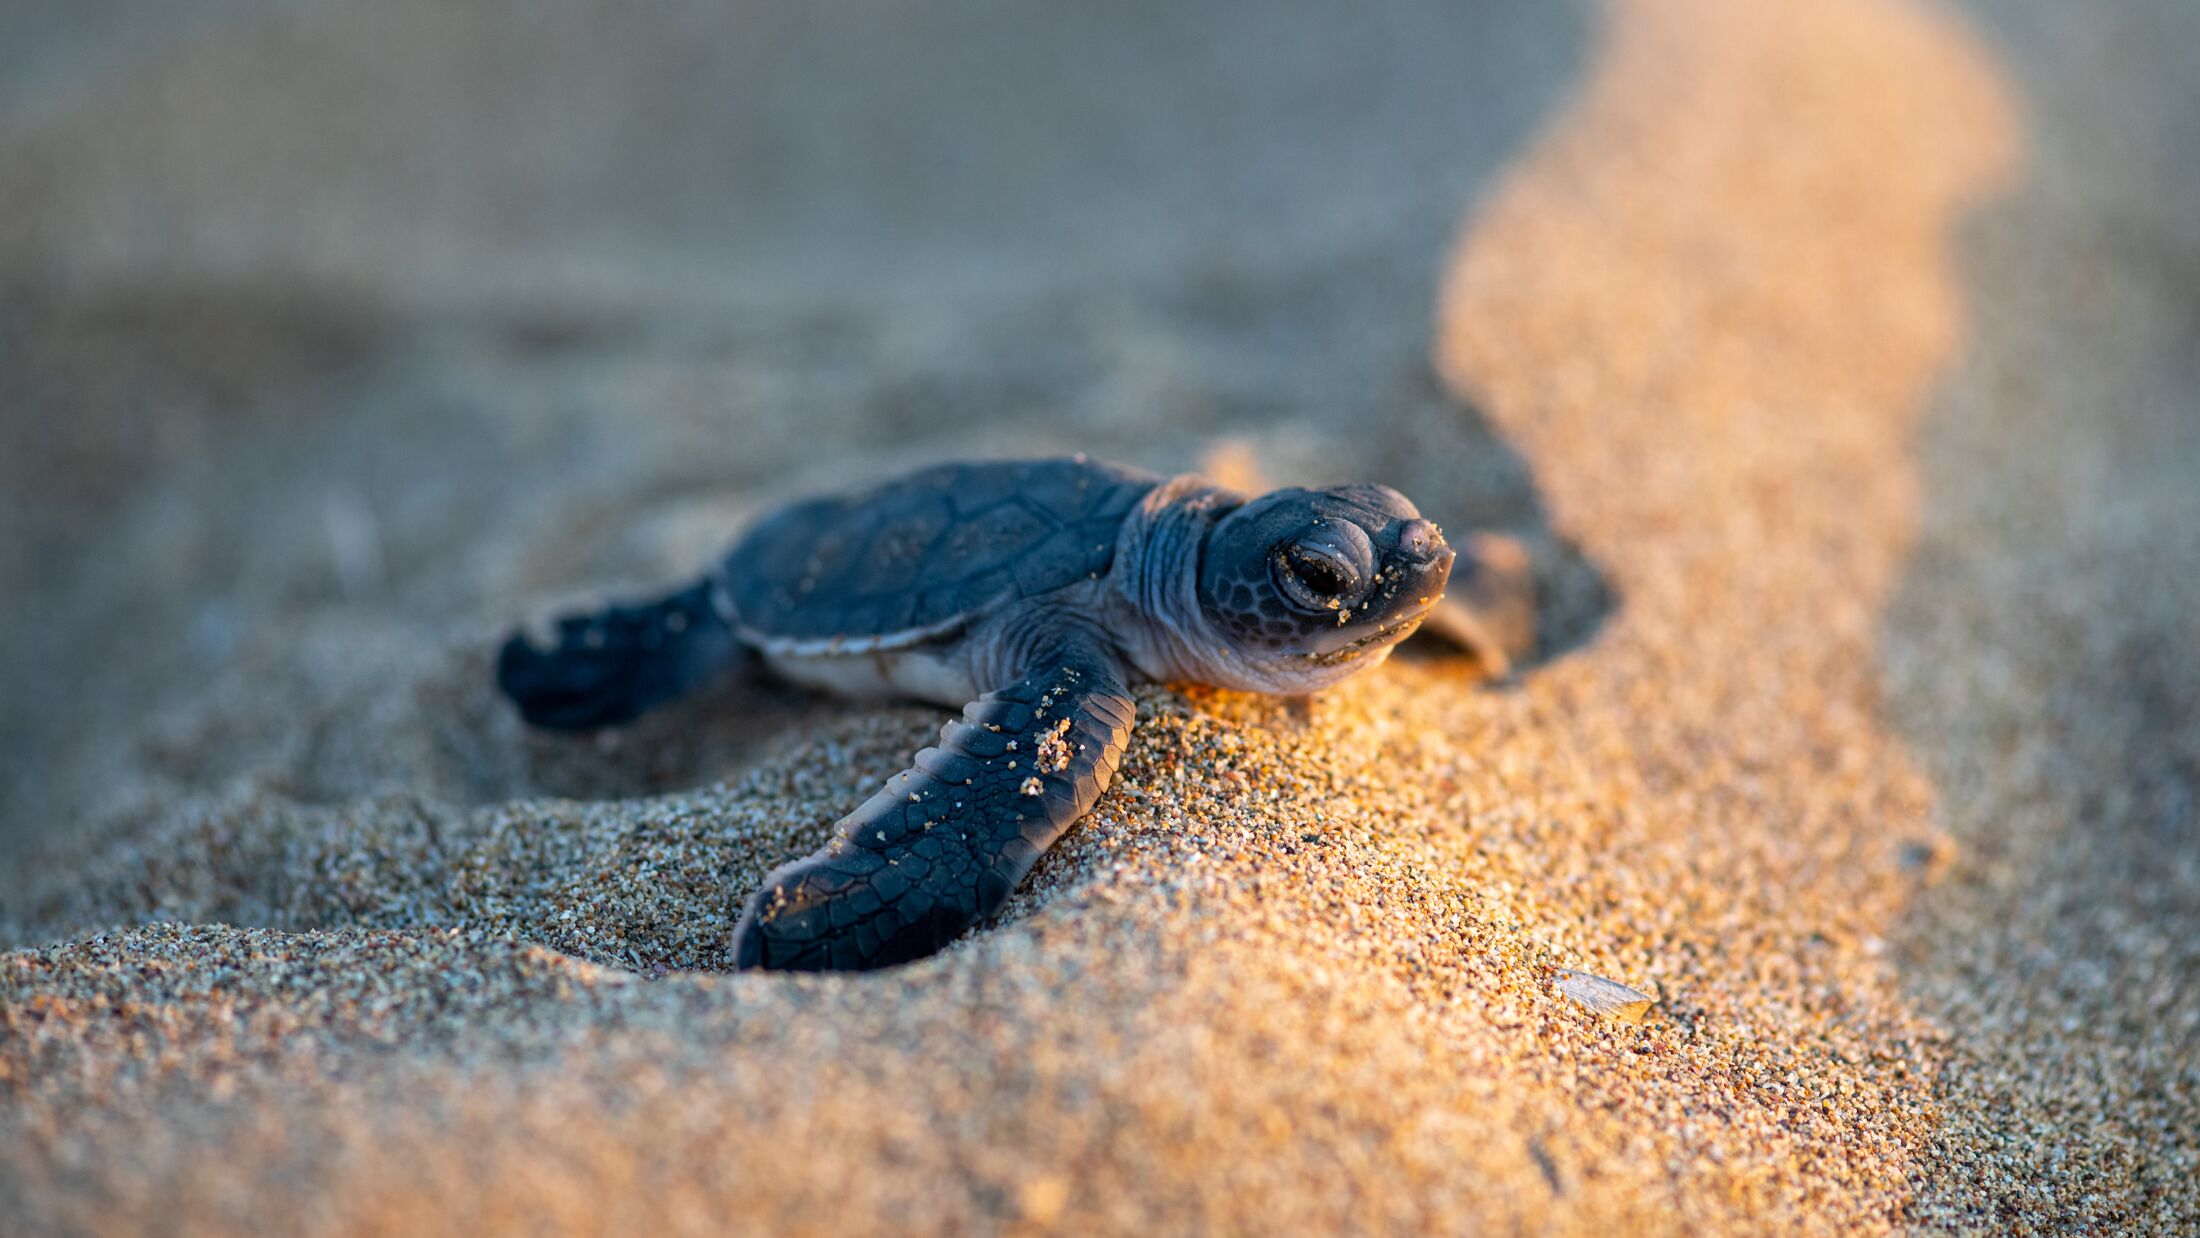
(1303,587)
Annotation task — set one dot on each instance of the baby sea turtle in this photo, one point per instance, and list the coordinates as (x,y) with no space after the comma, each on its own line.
(1037,591)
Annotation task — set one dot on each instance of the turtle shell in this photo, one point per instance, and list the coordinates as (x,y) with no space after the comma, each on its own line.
(917,558)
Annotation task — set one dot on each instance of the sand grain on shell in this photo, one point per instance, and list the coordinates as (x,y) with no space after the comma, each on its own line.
(1298,970)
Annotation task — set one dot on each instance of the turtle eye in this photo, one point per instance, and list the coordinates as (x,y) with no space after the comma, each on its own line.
(1315,576)
(1324,576)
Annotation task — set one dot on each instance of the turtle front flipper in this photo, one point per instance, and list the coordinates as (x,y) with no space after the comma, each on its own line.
(1488,608)
(943,843)
(607,668)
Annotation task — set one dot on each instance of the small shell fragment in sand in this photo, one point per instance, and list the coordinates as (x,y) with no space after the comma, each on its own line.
(1609,998)
(1042,1199)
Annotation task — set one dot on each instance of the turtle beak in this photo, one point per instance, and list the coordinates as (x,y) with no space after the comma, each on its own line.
(1426,560)
(1420,541)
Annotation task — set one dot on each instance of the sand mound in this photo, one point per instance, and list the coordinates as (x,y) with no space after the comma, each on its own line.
(1297,969)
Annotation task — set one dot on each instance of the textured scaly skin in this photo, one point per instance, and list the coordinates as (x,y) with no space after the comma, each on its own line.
(942,845)
(1047,586)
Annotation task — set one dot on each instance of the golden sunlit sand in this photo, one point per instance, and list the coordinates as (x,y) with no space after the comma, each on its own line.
(1321,965)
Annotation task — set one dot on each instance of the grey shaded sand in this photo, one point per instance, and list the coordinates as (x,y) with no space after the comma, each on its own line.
(1832,356)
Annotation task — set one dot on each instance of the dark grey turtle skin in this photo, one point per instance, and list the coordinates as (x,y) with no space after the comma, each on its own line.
(1035,591)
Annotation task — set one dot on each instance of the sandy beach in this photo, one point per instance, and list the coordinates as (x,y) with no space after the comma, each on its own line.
(1834,359)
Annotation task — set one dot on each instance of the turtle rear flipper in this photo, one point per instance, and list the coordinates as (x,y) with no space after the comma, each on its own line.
(610,667)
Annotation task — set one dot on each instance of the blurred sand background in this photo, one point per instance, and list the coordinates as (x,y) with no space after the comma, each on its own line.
(1838,358)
